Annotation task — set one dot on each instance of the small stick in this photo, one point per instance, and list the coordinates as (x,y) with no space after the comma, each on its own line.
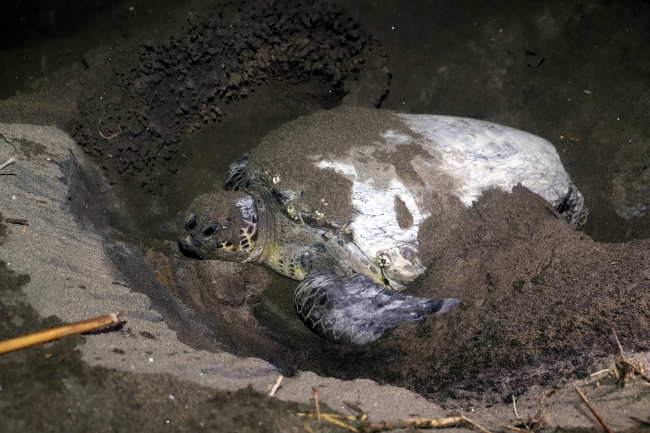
(636,369)
(276,386)
(593,410)
(509,427)
(540,413)
(112,136)
(413,423)
(331,415)
(354,407)
(620,348)
(514,405)
(7,162)
(607,370)
(62,331)
(336,422)
(641,420)
(475,424)
(307,428)
(22,222)
(315,390)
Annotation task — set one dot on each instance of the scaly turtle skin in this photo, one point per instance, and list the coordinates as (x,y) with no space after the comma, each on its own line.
(384,173)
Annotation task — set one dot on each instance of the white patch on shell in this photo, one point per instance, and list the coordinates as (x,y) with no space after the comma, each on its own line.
(375,225)
(483,155)
(392,136)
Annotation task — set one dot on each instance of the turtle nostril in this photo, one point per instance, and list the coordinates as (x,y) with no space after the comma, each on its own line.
(209,230)
(191,223)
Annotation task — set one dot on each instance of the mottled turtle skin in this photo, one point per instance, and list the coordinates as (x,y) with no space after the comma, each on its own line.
(335,201)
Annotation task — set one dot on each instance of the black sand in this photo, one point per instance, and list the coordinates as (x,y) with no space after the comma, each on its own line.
(179,92)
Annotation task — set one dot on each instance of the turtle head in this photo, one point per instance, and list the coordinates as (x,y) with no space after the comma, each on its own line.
(220,226)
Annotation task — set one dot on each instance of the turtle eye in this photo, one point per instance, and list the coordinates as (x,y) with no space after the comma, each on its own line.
(209,230)
(191,223)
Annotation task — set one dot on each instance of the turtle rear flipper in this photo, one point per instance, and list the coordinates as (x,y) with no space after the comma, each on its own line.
(357,310)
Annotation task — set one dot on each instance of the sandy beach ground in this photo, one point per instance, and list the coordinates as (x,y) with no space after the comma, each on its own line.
(120,113)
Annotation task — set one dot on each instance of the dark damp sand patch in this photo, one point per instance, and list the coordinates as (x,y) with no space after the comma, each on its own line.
(49,388)
(160,129)
(404,216)
(189,88)
(402,158)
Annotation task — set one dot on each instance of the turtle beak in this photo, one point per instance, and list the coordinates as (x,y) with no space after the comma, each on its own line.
(190,242)
(188,246)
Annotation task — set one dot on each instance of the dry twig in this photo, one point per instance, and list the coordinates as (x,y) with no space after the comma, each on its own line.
(414,423)
(381,426)
(112,136)
(621,366)
(475,424)
(537,422)
(22,222)
(315,390)
(593,410)
(598,373)
(509,427)
(331,415)
(341,424)
(62,331)
(636,369)
(7,162)
(276,386)
(640,420)
(526,425)
(618,343)
(540,418)
(354,407)
(333,418)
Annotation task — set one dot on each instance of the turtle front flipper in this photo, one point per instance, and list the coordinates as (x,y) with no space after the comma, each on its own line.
(356,309)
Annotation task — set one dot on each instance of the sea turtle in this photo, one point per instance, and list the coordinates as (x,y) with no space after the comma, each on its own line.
(335,200)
